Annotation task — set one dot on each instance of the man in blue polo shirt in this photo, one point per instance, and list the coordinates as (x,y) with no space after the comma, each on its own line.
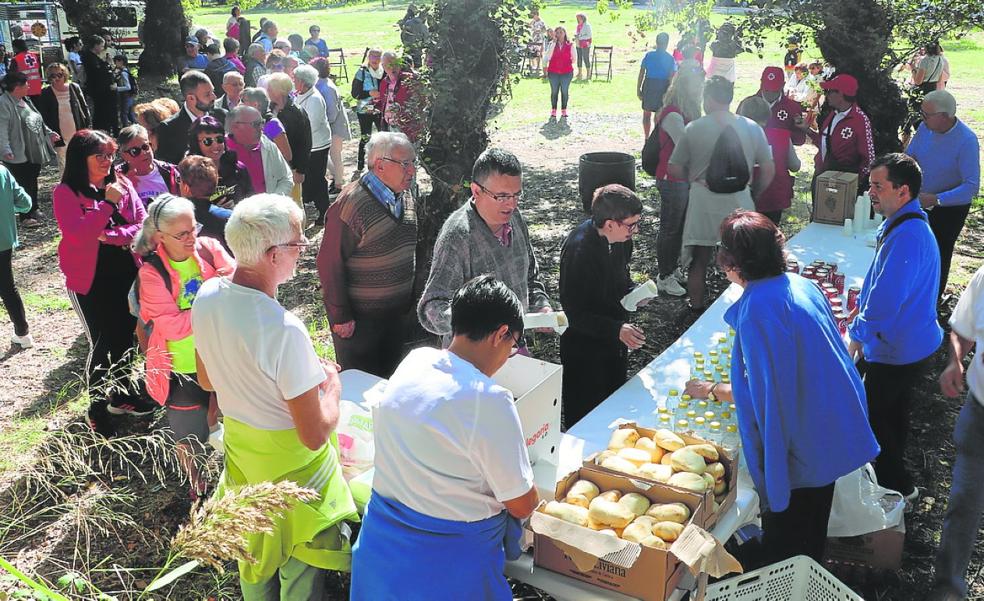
(949,155)
(655,72)
(894,328)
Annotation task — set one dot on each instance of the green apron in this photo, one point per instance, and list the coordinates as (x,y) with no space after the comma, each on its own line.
(307,531)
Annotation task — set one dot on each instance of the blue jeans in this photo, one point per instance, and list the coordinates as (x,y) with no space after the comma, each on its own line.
(560,82)
(963,511)
(673,198)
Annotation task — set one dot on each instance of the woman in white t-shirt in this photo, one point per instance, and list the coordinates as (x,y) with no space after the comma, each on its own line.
(452,474)
(63,107)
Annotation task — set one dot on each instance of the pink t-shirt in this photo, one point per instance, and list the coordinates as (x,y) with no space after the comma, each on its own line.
(253,160)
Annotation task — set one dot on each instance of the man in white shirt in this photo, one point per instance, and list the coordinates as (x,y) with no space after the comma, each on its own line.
(451,463)
(963,511)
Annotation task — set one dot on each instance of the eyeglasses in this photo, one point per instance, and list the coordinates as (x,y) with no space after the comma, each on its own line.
(182,236)
(926,115)
(255,124)
(632,227)
(213,140)
(301,244)
(138,150)
(518,196)
(519,342)
(105,156)
(407,165)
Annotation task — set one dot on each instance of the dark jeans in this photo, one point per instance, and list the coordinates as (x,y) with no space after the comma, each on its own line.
(26,175)
(109,327)
(963,511)
(801,529)
(104,112)
(593,370)
(376,347)
(314,188)
(889,391)
(673,198)
(584,57)
(947,223)
(560,82)
(8,293)
(366,121)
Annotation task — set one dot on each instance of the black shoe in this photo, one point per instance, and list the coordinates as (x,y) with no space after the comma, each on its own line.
(100,421)
(132,406)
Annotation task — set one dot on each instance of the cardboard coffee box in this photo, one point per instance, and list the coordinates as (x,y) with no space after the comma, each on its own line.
(834,196)
(866,554)
(707,518)
(604,560)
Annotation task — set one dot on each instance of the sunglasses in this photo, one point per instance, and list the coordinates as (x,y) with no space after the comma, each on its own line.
(138,150)
(213,140)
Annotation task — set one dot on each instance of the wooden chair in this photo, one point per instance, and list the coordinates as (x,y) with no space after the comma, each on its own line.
(605,52)
(336,61)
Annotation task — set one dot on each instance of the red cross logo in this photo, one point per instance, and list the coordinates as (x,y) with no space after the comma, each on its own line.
(846,133)
(30,61)
(782,115)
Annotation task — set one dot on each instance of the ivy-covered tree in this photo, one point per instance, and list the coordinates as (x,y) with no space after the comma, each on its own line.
(164,30)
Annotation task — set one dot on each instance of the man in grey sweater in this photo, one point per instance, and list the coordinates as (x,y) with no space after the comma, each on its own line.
(486,235)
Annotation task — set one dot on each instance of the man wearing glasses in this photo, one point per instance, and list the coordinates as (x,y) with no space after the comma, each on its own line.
(487,235)
(453,476)
(594,276)
(949,154)
(149,176)
(268,170)
(366,261)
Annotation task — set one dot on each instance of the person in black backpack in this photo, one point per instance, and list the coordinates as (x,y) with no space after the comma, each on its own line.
(716,154)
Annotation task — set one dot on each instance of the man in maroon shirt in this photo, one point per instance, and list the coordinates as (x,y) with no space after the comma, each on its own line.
(784,111)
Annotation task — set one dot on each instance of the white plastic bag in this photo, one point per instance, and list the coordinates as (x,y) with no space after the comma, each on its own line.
(861,505)
(355,443)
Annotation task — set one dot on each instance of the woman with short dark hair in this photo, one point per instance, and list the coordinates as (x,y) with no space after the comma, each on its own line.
(207,138)
(795,388)
(98,216)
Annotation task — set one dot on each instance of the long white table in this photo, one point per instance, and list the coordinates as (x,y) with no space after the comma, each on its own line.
(640,397)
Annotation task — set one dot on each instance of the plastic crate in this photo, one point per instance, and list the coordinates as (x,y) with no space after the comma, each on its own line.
(796,579)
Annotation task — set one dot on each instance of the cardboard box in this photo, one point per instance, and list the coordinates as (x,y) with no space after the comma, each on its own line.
(536,386)
(707,518)
(834,197)
(621,566)
(872,552)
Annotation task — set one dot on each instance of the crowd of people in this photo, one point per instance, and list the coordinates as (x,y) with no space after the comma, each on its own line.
(179,220)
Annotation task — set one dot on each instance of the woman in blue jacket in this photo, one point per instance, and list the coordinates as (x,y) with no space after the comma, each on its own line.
(801,405)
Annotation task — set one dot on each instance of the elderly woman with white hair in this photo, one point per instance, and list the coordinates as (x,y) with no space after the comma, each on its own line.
(175,264)
(279,402)
(315,187)
(279,87)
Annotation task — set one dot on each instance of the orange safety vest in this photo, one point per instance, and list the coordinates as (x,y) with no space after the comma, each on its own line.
(29,64)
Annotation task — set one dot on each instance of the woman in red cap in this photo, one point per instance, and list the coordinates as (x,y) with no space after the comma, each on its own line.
(844,138)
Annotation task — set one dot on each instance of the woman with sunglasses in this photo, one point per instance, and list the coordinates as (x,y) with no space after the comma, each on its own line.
(207,138)
(176,262)
(98,216)
(63,107)
(148,175)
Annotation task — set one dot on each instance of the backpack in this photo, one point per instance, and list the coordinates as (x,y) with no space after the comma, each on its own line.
(134,88)
(728,170)
(154,260)
(651,150)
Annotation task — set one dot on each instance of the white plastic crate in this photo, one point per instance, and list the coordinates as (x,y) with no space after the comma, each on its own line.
(796,579)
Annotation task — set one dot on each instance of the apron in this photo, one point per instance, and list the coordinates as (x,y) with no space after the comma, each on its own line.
(306,531)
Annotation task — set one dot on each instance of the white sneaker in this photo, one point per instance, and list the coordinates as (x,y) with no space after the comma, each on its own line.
(25,341)
(669,285)
(680,276)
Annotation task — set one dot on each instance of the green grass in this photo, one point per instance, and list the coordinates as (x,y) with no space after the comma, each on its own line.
(41,303)
(24,433)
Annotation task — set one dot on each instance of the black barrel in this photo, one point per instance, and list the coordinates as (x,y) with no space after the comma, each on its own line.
(596,169)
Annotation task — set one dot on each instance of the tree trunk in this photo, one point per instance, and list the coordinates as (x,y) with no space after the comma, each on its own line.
(164,31)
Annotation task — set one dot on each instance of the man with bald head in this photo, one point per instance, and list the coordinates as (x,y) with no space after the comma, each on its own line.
(268,169)
(949,154)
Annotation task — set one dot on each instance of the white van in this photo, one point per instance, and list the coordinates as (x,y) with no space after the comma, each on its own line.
(45,25)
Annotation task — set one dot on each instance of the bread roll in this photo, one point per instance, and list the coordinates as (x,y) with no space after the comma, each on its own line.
(669,512)
(720,488)
(654,542)
(608,495)
(716,469)
(604,455)
(635,503)
(665,459)
(668,440)
(636,456)
(687,460)
(612,515)
(609,532)
(647,444)
(668,531)
(689,481)
(584,487)
(579,500)
(621,465)
(649,521)
(636,532)
(707,451)
(708,480)
(622,438)
(567,512)
(655,471)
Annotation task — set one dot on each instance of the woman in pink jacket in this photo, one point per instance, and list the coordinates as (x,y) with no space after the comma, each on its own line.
(176,263)
(98,216)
